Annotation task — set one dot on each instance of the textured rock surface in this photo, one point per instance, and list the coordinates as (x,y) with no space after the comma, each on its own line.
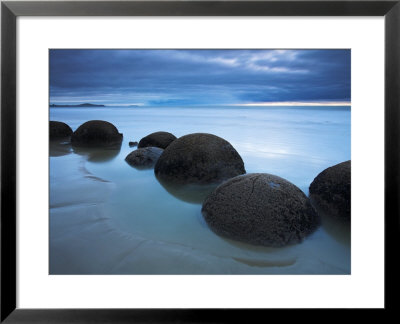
(157,139)
(331,191)
(58,130)
(260,209)
(144,157)
(131,144)
(199,158)
(96,133)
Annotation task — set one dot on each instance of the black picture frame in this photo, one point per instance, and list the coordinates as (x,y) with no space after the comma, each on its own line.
(10,10)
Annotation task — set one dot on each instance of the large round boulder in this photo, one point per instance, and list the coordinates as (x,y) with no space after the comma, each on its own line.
(144,158)
(260,209)
(96,133)
(59,130)
(330,191)
(199,158)
(157,139)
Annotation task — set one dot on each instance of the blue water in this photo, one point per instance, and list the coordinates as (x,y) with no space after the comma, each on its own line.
(295,143)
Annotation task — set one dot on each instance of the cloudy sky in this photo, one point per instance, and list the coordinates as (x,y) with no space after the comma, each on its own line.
(198,77)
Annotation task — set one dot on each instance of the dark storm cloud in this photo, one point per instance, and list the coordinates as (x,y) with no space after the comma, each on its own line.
(173,77)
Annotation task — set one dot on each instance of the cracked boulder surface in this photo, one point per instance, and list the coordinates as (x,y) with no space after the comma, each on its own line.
(59,130)
(96,133)
(144,158)
(260,209)
(199,158)
(330,191)
(157,139)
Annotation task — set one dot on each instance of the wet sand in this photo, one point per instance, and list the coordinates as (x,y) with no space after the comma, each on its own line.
(86,239)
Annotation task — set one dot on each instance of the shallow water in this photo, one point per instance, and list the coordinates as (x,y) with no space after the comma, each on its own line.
(293,143)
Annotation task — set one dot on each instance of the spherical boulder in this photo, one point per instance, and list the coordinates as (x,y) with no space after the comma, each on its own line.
(144,158)
(96,133)
(59,130)
(330,191)
(260,209)
(157,139)
(199,158)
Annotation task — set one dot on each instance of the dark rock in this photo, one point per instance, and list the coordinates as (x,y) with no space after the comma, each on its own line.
(132,144)
(144,158)
(330,191)
(59,130)
(96,133)
(157,139)
(260,209)
(199,158)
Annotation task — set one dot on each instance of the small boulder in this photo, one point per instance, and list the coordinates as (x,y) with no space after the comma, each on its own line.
(144,158)
(199,159)
(96,133)
(330,191)
(132,144)
(59,130)
(260,209)
(157,139)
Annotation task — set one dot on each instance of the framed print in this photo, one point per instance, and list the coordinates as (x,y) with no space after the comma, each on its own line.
(194,153)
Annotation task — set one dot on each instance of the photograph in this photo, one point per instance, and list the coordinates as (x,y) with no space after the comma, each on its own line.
(199,161)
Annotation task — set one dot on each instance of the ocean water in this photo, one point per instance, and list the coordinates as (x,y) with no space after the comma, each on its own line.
(295,143)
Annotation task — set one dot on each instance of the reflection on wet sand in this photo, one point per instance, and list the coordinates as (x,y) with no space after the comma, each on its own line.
(194,194)
(60,147)
(255,248)
(98,154)
(264,264)
(339,229)
(63,147)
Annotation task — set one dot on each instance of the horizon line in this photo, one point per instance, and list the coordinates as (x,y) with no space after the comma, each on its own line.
(297,103)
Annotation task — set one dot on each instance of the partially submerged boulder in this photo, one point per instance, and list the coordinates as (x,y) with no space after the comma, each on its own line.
(144,158)
(157,139)
(59,130)
(330,191)
(96,133)
(199,158)
(132,144)
(260,209)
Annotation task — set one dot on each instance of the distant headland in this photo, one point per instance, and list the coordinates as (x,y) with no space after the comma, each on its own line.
(81,105)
